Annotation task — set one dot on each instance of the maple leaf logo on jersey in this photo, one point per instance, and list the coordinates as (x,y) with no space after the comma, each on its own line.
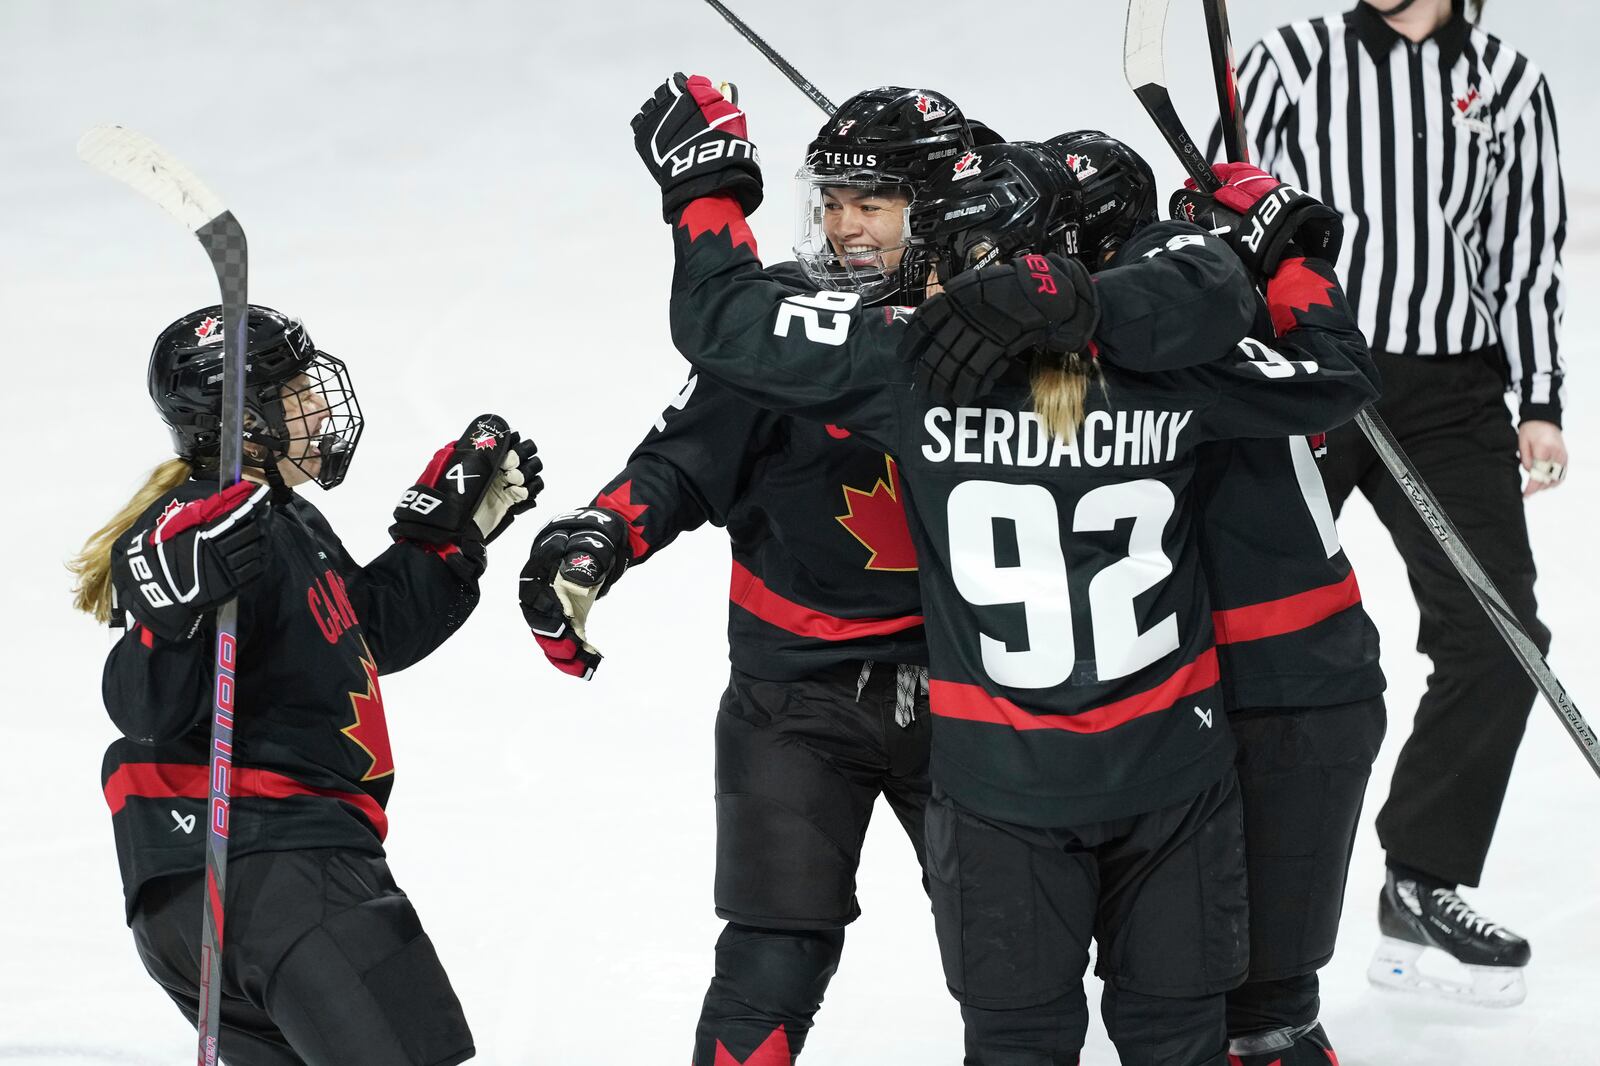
(1469,103)
(370,730)
(878,520)
(774,1051)
(714,214)
(967,165)
(1294,289)
(209,330)
(620,500)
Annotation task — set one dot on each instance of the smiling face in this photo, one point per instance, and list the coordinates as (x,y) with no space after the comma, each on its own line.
(305,413)
(865,226)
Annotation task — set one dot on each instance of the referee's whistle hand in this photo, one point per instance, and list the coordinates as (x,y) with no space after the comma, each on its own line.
(1544,455)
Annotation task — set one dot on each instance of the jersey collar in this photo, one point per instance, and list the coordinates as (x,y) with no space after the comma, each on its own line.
(1380,38)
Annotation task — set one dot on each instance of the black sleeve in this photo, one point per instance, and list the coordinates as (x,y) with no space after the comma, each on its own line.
(1176,296)
(820,356)
(157,690)
(691,468)
(1315,375)
(412,597)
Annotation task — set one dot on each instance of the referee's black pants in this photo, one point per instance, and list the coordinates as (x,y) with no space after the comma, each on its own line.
(1450,416)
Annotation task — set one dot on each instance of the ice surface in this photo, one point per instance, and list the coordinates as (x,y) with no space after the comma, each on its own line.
(448,195)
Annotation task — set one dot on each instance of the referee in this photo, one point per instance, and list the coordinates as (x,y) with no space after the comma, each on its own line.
(1437,142)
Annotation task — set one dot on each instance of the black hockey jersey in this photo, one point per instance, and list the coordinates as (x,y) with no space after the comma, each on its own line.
(1286,606)
(312,766)
(823,567)
(1075,675)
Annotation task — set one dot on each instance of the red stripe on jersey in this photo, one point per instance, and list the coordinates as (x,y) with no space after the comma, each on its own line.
(165,780)
(750,592)
(952,699)
(1277,617)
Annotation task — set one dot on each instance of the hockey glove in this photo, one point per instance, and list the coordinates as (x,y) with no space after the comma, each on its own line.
(693,140)
(192,559)
(473,487)
(574,560)
(987,320)
(1261,218)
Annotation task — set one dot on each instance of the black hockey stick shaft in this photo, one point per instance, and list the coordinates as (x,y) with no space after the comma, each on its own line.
(224,242)
(1383,442)
(146,167)
(774,58)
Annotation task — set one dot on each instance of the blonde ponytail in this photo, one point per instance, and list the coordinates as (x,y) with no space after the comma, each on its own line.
(1060,385)
(92,565)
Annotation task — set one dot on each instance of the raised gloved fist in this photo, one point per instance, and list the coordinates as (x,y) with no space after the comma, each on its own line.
(988,319)
(693,140)
(473,487)
(574,560)
(192,559)
(1261,218)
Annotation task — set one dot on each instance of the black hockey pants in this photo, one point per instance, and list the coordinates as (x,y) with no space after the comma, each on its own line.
(800,765)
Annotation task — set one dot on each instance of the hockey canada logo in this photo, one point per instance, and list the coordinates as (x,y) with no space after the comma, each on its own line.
(1081,167)
(966,166)
(209,331)
(582,564)
(930,108)
(487,438)
(1468,112)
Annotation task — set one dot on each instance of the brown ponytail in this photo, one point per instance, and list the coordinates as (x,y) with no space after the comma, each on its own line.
(1060,384)
(92,565)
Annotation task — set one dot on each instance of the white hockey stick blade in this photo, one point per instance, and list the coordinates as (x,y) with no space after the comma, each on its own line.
(137,161)
(1143,43)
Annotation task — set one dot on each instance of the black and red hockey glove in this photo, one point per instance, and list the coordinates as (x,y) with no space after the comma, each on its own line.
(473,488)
(1261,218)
(694,141)
(192,559)
(575,559)
(986,320)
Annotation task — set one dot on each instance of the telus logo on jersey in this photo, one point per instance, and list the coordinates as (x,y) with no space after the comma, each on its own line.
(996,436)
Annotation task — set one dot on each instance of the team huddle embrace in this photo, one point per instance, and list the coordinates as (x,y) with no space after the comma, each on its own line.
(1019,464)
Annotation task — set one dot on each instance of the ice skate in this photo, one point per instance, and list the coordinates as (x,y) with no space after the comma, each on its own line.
(1435,944)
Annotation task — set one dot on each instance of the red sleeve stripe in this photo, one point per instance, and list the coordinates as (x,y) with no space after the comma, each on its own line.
(750,592)
(161,780)
(952,699)
(1277,617)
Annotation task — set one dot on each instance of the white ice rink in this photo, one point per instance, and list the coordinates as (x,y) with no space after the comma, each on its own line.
(447,193)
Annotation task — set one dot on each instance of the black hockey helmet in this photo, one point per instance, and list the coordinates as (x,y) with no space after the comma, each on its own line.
(884,143)
(298,401)
(1119,190)
(990,204)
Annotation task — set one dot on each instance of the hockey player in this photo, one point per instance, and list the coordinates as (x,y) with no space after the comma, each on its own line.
(1083,779)
(1298,653)
(326,962)
(826,705)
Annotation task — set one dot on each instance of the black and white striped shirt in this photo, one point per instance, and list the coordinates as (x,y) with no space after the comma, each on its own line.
(1443,157)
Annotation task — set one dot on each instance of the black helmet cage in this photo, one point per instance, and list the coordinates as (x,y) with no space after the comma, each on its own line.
(1119,190)
(299,403)
(992,204)
(885,139)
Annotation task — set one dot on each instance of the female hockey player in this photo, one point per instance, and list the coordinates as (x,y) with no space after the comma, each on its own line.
(1298,653)
(326,962)
(1082,772)
(826,705)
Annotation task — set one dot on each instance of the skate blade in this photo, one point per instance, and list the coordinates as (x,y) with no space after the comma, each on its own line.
(1427,971)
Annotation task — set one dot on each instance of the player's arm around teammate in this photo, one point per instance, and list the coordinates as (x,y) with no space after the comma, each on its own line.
(326,961)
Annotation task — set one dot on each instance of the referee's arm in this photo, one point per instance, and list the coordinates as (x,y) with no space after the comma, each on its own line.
(1522,275)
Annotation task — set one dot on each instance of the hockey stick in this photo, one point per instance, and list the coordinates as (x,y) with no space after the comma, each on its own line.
(139,162)
(774,58)
(1143,66)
